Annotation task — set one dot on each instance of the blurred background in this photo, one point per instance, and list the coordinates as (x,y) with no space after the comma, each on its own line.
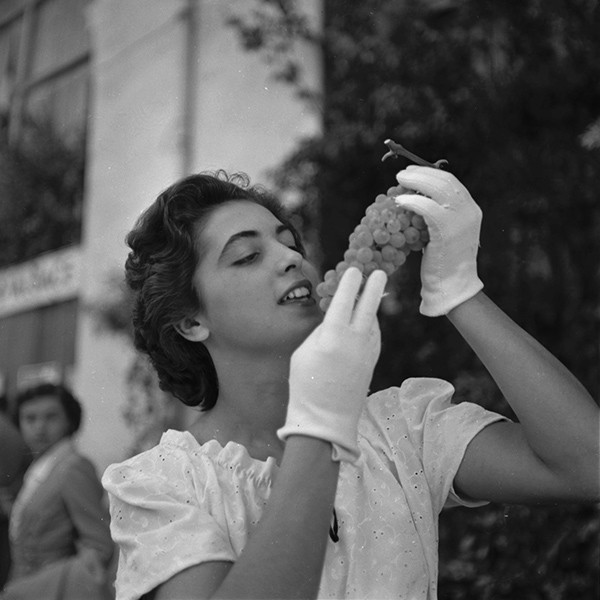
(103,103)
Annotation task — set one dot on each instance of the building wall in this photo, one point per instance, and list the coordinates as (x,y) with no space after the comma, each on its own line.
(38,337)
(43,107)
(38,319)
(148,127)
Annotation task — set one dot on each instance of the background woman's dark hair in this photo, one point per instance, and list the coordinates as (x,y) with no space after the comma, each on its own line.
(160,268)
(70,404)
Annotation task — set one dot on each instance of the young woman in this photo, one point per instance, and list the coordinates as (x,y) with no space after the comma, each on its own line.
(59,524)
(293,482)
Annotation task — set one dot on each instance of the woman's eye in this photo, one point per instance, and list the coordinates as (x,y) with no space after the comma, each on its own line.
(247,259)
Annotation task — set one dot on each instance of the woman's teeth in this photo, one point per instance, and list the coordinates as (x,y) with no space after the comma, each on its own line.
(301,292)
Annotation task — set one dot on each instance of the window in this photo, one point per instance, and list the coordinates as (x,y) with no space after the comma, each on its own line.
(44,90)
(44,67)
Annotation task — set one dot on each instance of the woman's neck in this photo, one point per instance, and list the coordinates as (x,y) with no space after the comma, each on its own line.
(251,406)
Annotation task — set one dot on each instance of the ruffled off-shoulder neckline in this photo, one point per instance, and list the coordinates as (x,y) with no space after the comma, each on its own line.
(232,454)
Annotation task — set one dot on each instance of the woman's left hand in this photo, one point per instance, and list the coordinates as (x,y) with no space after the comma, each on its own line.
(449,267)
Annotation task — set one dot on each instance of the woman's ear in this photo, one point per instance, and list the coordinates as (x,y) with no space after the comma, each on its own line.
(192,330)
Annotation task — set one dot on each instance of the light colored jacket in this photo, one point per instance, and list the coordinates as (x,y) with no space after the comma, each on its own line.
(67,512)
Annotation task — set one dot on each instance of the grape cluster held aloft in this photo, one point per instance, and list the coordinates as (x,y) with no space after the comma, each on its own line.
(386,235)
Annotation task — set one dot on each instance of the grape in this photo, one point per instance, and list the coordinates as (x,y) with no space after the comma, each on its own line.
(417,221)
(341,267)
(351,254)
(364,238)
(404,219)
(397,240)
(383,239)
(389,253)
(370,267)
(394,225)
(411,235)
(364,255)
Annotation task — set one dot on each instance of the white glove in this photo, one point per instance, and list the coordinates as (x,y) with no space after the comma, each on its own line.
(331,371)
(449,267)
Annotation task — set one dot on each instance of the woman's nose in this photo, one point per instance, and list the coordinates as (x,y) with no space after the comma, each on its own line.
(292,259)
(37,426)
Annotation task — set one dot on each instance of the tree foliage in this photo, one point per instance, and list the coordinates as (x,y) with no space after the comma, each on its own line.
(41,193)
(509,93)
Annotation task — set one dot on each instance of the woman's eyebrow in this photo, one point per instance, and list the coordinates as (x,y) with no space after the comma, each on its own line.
(250,233)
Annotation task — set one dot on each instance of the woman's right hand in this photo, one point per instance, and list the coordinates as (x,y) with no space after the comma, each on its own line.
(331,371)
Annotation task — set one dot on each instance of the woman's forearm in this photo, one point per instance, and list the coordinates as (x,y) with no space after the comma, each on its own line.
(559,418)
(284,555)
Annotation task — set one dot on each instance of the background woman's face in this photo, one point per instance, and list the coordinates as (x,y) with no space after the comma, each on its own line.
(249,266)
(43,422)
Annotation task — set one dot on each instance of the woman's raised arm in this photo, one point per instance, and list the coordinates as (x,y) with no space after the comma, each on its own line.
(553,453)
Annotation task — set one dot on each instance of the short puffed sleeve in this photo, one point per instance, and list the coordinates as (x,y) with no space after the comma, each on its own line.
(162,518)
(425,430)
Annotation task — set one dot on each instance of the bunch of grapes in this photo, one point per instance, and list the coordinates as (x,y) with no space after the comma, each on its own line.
(386,235)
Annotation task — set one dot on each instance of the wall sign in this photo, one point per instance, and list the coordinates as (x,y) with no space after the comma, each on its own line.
(50,278)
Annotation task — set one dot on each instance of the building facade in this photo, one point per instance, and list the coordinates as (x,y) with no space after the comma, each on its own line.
(156,89)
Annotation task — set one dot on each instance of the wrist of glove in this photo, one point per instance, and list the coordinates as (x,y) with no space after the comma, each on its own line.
(449,266)
(331,371)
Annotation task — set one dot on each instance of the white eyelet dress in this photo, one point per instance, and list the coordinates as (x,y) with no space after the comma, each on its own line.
(181,504)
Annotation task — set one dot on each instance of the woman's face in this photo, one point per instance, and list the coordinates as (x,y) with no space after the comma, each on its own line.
(256,289)
(43,422)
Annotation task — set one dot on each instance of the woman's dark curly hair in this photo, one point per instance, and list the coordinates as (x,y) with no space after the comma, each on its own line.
(160,268)
(70,404)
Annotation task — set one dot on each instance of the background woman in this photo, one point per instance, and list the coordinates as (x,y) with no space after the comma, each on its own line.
(59,525)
